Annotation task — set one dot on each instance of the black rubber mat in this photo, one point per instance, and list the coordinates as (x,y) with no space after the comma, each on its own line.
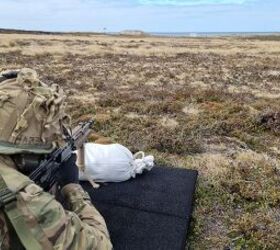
(150,212)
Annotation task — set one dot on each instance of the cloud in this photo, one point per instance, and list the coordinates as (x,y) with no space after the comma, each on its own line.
(191,2)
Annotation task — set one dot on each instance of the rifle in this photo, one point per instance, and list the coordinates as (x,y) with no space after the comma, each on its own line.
(8,75)
(46,174)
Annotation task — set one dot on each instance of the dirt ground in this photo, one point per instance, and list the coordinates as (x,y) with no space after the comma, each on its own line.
(210,104)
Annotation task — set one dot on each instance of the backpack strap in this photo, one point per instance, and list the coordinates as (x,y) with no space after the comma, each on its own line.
(9,206)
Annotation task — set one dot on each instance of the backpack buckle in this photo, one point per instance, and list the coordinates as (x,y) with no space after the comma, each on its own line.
(6,197)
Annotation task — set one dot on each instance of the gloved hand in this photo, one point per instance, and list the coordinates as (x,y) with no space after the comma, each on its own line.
(68,172)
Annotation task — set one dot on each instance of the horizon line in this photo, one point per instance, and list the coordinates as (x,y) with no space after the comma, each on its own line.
(130,30)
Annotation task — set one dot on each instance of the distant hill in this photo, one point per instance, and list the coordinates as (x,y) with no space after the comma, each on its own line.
(37,32)
(133,33)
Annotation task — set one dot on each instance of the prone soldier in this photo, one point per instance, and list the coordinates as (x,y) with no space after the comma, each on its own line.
(31,120)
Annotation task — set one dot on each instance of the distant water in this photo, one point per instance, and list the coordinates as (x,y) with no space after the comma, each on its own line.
(213,34)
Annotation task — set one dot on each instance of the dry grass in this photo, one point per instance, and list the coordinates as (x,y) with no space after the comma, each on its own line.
(208,104)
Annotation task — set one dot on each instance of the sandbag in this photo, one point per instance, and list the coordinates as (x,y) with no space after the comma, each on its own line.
(113,163)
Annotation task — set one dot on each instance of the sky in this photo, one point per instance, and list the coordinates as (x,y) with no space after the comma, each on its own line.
(145,15)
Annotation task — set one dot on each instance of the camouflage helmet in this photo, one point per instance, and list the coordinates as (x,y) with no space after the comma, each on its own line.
(31,114)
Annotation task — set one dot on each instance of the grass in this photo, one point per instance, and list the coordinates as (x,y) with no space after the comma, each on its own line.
(210,104)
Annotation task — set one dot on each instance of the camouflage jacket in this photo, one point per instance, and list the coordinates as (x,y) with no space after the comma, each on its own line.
(53,227)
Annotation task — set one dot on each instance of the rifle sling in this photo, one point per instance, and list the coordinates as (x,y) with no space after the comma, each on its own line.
(9,205)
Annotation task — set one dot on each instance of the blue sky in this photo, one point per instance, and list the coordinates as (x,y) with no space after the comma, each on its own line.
(147,15)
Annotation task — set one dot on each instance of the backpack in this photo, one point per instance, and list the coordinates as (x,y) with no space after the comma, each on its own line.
(31,114)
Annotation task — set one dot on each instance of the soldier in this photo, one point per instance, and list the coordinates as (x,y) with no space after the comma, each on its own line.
(31,116)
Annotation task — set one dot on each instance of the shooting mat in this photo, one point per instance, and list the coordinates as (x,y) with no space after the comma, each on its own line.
(150,212)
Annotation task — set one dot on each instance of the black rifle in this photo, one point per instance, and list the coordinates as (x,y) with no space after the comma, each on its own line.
(11,74)
(8,75)
(46,175)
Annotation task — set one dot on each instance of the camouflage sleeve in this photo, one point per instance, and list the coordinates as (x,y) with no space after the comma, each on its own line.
(53,227)
(94,232)
(80,227)
(4,236)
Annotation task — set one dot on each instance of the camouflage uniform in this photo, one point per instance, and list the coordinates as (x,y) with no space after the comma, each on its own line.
(36,213)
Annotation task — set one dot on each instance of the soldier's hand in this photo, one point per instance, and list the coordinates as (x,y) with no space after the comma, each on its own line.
(68,172)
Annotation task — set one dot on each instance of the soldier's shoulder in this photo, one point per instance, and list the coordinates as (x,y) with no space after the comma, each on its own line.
(13,178)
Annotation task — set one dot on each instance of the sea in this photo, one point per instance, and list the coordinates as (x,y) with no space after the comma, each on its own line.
(214,34)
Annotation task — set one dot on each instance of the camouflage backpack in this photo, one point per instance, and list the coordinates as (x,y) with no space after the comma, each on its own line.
(31,114)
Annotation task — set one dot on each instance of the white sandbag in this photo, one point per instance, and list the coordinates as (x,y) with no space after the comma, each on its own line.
(113,163)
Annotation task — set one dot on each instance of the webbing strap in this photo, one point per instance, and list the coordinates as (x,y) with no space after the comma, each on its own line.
(6,195)
(8,204)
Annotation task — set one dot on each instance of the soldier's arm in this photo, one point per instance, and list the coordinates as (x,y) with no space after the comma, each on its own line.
(79,228)
(94,227)
(84,228)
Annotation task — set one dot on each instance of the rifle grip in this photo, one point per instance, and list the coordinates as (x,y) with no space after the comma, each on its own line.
(80,162)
